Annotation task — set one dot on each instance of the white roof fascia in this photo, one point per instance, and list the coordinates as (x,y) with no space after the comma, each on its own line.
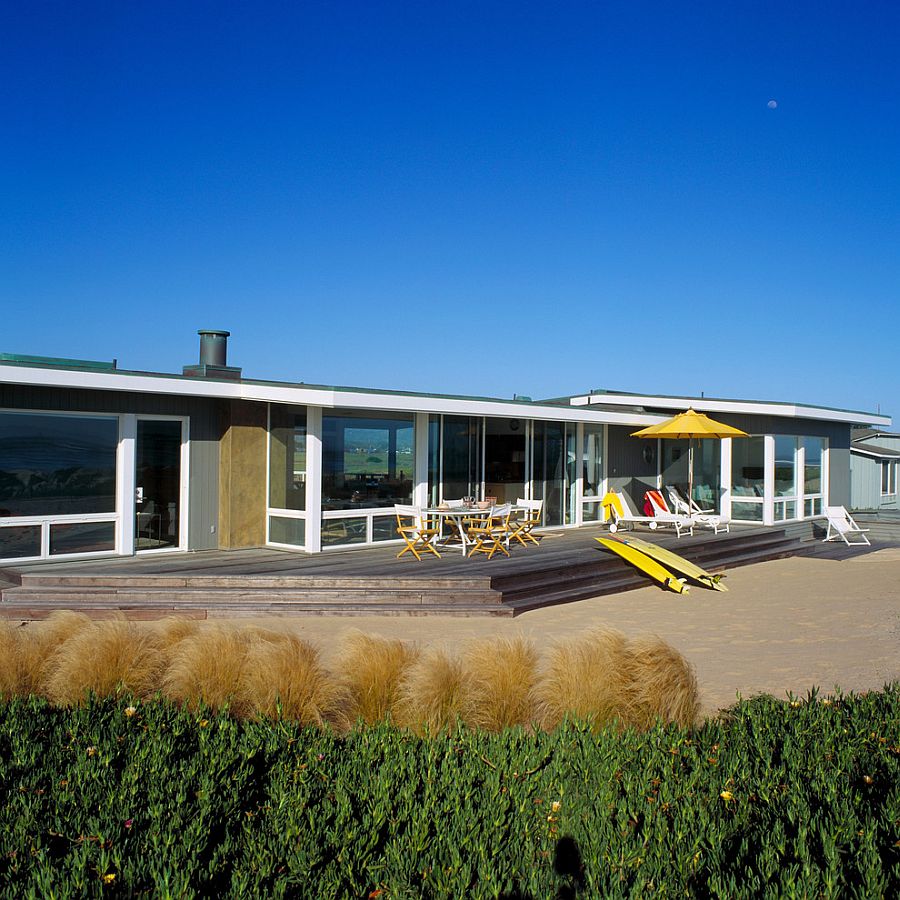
(308,396)
(863,450)
(746,407)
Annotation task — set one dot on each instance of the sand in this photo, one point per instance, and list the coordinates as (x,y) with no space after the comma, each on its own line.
(783,626)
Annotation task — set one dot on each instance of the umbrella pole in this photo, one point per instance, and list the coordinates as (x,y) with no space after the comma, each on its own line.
(690,475)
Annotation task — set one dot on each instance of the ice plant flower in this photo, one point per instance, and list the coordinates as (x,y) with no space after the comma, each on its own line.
(204,723)
(555,806)
(130,711)
(91,751)
(129,823)
(726,796)
(109,877)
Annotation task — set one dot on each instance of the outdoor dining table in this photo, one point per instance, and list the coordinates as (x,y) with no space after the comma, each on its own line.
(457,514)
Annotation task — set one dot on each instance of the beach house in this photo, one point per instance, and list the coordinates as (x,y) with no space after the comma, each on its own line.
(95,459)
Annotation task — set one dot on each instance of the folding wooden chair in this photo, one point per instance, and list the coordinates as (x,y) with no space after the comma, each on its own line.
(521,528)
(419,534)
(489,533)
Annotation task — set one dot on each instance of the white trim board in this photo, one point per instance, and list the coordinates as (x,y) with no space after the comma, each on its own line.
(327,398)
(745,407)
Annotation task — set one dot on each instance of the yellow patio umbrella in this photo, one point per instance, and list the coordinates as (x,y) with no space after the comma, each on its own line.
(690,424)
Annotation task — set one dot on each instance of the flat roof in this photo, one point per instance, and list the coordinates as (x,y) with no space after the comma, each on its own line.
(599,406)
(675,403)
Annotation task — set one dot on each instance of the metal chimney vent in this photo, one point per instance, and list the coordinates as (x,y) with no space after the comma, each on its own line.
(213,355)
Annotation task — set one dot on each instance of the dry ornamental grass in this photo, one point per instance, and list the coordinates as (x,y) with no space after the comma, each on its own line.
(497,683)
(588,677)
(285,679)
(105,658)
(502,673)
(372,668)
(208,667)
(434,694)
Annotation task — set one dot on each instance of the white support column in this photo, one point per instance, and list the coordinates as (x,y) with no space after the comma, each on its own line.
(579,474)
(420,445)
(313,479)
(725,477)
(125,484)
(769,479)
(604,463)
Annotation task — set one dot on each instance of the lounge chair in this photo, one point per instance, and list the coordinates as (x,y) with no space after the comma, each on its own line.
(665,516)
(618,510)
(841,526)
(708,518)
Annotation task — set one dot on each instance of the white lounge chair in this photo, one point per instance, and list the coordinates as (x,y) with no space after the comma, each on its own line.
(841,526)
(622,515)
(708,518)
(665,516)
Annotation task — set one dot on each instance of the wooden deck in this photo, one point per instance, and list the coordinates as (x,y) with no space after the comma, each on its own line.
(567,566)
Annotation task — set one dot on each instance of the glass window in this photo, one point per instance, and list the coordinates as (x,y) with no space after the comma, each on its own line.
(384,528)
(746,511)
(785,466)
(284,530)
(592,472)
(434,460)
(888,478)
(344,531)
(82,537)
(20,541)
(367,461)
(504,459)
(812,465)
(592,511)
(461,462)
(57,465)
(748,467)
(549,470)
(287,458)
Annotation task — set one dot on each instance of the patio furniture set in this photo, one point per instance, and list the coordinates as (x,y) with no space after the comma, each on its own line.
(477,528)
(682,514)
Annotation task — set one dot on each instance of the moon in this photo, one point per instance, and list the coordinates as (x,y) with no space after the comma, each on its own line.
(772,104)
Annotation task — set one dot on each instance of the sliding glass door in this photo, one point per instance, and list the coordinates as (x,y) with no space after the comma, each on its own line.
(158,484)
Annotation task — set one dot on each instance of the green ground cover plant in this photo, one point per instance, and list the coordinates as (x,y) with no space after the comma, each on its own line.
(124,797)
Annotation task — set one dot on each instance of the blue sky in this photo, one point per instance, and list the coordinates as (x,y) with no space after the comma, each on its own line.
(479,198)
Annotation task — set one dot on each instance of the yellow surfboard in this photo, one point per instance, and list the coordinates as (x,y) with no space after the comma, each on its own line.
(675,562)
(646,564)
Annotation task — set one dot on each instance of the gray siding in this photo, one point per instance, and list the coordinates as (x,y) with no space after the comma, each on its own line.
(206,417)
(865,477)
(625,466)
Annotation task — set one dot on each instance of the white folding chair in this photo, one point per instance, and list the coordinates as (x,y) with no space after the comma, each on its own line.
(416,530)
(841,526)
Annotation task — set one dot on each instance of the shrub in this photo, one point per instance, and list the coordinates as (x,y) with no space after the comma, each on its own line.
(776,799)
